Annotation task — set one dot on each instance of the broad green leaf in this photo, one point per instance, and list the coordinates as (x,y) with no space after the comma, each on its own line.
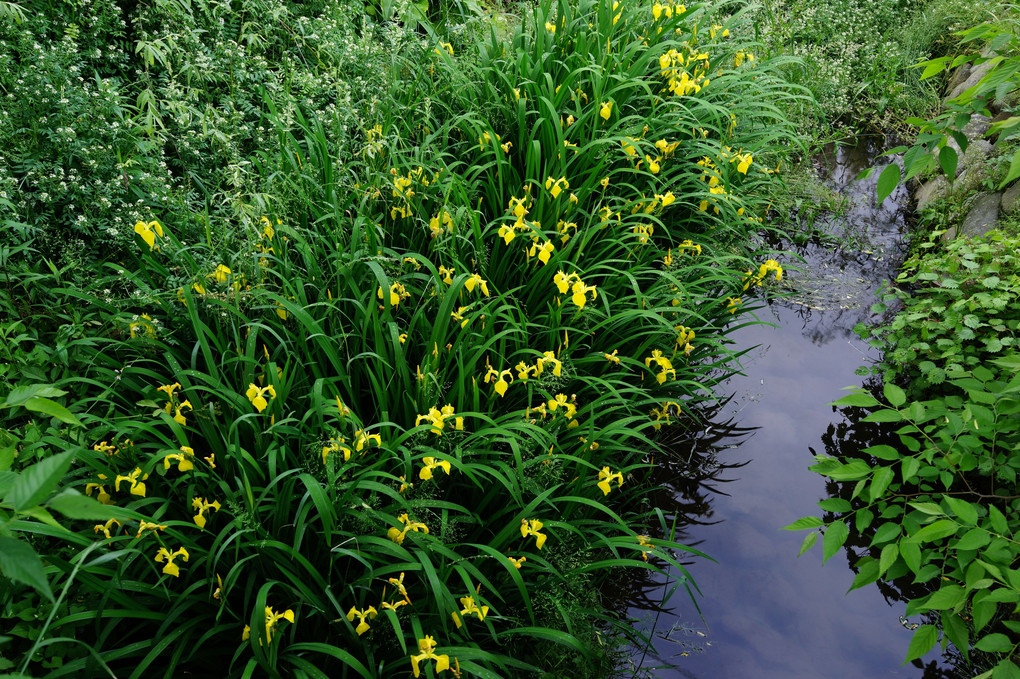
(867,574)
(982,612)
(53,409)
(854,469)
(948,160)
(975,538)
(887,182)
(19,562)
(894,395)
(928,508)
(999,522)
(809,540)
(933,67)
(946,597)
(859,399)
(994,643)
(963,510)
(956,629)
(21,395)
(880,482)
(936,531)
(1005,126)
(890,552)
(883,452)
(835,504)
(923,641)
(38,481)
(74,505)
(884,415)
(909,467)
(1006,669)
(834,538)
(863,519)
(911,553)
(1014,170)
(805,522)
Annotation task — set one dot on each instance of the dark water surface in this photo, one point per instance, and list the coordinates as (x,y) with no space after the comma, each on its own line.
(765,613)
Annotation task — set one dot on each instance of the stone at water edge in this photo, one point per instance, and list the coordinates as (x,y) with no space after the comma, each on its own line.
(933,189)
(1009,199)
(976,73)
(982,216)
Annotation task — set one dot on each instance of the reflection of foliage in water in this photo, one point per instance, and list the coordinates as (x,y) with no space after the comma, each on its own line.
(687,475)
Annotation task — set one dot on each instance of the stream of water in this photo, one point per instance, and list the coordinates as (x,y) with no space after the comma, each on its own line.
(765,613)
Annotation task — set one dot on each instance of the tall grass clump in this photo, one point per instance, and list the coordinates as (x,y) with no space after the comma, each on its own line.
(404,421)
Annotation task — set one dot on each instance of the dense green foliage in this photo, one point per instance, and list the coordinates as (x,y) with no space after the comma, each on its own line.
(858,58)
(357,337)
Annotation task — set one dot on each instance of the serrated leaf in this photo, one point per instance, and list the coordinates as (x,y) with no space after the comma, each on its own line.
(887,182)
(923,641)
(909,467)
(933,67)
(948,161)
(956,629)
(894,395)
(963,510)
(880,482)
(946,597)
(867,574)
(74,505)
(835,504)
(936,531)
(805,522)
(852,470)
(863,519)
(53,409)
(19,562)
(975,538)
(809,540)
(35,483)
(929,508)
(883,452)
(994,643)
(834,538)
(890,553)
(1006,669)
(859,399)
(21,395)
(1014,171)
(999,522)
(911,553)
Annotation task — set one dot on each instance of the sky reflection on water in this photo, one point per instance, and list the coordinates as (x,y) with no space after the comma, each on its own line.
(768,614)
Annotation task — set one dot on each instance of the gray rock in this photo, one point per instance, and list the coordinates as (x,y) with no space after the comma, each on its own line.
(970,168)
(1009,199)
(977,127)
(933,189)
(982,216)
(949,234)
(976,73)
(960,76)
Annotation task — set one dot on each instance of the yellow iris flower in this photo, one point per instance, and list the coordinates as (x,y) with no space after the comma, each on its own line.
(606,477)
(255,394)
(427,647)
(170,568)
(363,626)
(532,527)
